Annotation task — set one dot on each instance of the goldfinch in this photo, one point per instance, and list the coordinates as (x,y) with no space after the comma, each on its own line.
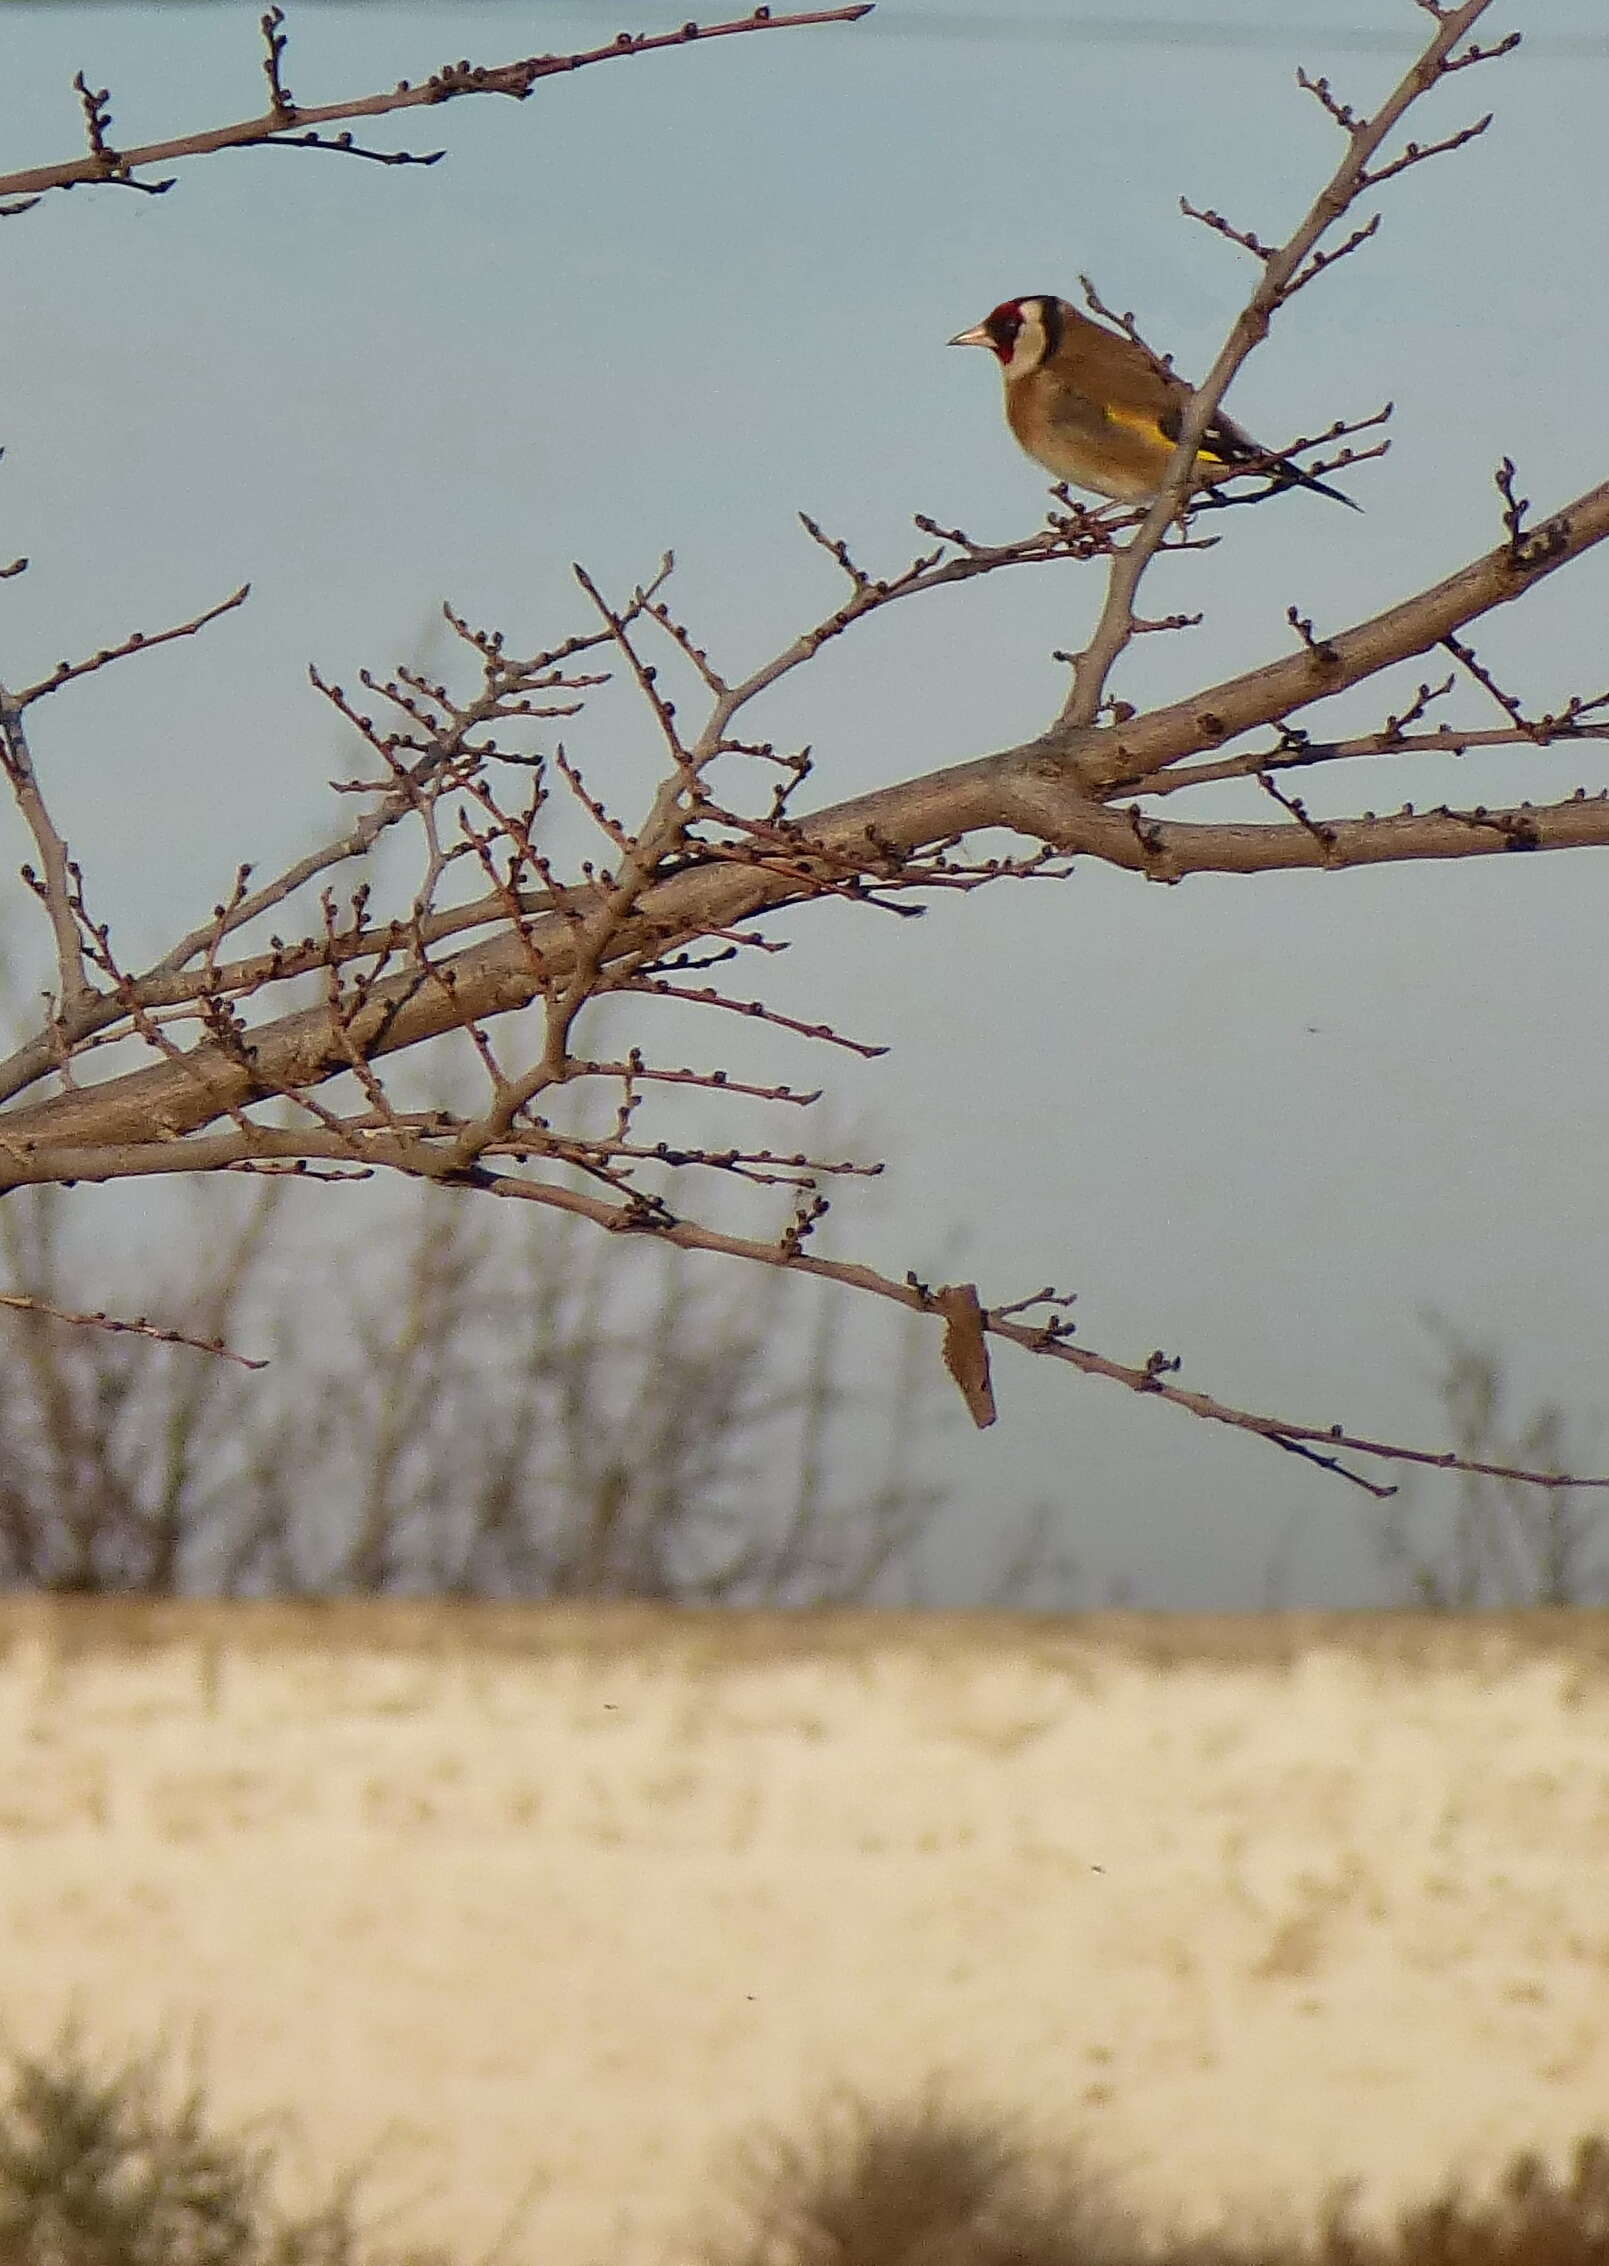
(1096,410)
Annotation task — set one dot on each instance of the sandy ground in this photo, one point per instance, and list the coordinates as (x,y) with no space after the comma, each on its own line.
(566,1899)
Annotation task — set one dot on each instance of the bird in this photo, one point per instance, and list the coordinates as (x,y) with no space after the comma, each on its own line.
(1096,409)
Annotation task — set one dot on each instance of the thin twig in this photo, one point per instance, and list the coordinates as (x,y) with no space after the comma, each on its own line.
(516,79)
(68,672)
(135,1326)
(1283,274)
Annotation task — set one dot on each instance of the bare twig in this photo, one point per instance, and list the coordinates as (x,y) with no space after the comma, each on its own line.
(68,672)
(118,1324)
(1221,227)
(1147,1379)
(310,1017)
(1416,153)
(1285,270)
(517,79)
(56,884)
(1047,788)
(1471,660)
(1345,117)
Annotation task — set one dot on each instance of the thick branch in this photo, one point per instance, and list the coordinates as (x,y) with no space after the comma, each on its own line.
(1045,789)
(1342,658)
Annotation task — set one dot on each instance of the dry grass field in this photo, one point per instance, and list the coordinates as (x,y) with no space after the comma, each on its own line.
(559,1900)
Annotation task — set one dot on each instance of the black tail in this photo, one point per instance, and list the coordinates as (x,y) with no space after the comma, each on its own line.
(1225,441)
(1288,475)
(1281,476)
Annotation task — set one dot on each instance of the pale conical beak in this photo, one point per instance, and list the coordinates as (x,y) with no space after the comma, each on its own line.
(976,336)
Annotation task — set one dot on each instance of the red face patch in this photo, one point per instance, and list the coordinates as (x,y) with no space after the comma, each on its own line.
(1004,327)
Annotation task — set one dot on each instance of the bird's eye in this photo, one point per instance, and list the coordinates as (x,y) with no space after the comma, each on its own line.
(1003,327)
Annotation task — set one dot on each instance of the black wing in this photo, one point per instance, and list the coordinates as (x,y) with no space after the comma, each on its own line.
(1228,443)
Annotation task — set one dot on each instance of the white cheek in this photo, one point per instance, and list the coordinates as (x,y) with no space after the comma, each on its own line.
(1027,351)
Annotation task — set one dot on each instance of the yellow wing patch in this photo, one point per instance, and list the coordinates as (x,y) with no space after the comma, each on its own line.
(1148,425)
(1145,422)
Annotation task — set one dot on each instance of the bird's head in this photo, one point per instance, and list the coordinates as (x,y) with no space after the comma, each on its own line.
(1020,333)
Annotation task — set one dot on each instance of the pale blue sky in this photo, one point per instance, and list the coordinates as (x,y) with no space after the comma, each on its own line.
(670,301)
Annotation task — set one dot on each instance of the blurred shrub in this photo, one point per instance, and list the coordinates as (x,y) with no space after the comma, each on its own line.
(118,2164)
(922,2184)
(928,2184)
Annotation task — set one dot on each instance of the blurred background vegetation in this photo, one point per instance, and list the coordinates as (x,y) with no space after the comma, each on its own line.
(122,2163)
(461,1403)
(465,1403)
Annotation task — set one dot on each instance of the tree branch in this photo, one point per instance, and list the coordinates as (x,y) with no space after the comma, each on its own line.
(1048,788)
(721,842)
(518,79)
(1282,275)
